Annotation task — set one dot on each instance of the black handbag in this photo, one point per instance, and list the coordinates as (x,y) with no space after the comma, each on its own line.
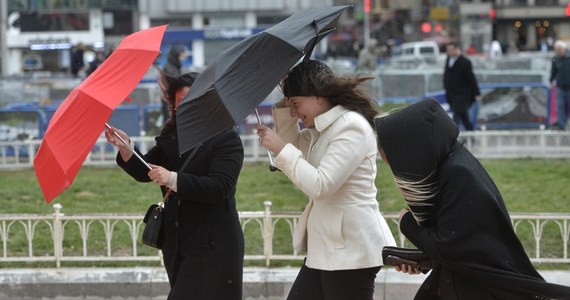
(154,220)
(153,233)
(396,256)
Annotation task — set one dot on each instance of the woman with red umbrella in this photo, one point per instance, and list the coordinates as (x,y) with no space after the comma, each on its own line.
(203,246)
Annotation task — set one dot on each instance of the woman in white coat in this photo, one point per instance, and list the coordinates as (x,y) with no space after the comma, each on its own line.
(333,161)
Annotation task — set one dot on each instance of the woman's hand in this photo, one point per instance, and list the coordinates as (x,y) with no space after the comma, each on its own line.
(409,269)
(114,140)
(124,150)
(159,175)
(270,139)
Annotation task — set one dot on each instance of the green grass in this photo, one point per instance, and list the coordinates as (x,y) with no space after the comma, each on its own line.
(527,185)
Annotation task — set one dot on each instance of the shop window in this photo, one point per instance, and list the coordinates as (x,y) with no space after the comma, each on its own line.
(546,3)
(54,21)
(118,22)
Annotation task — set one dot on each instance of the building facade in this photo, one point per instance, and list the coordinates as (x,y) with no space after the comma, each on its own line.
(41,34)
(522,25)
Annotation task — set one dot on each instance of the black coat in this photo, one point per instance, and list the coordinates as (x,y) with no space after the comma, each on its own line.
(560,71)
(464,226)
(460,84)
(203,247)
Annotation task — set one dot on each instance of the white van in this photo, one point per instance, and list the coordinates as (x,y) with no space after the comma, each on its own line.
(416,51)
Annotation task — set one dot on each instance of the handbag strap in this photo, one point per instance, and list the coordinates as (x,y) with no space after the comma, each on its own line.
(188,159)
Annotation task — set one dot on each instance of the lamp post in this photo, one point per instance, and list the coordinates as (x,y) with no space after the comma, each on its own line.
(3,39)
(366,23)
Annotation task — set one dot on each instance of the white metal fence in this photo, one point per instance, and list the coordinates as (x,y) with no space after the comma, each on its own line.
(483,144)
(95,238)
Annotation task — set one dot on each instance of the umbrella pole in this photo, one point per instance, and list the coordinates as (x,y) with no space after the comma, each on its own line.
(272,168)
(130,148)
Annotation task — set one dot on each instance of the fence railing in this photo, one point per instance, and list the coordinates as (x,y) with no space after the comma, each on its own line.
(538,143)
(61,238)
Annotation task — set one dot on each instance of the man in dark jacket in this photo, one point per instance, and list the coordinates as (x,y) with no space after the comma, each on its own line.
(95,63)
(460,84)
(77,62)
(560,77)
(455,213)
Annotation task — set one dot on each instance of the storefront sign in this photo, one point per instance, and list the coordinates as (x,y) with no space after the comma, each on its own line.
(227,33)
(39,43)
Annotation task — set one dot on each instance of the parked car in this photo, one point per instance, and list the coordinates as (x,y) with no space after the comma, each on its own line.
(426,51)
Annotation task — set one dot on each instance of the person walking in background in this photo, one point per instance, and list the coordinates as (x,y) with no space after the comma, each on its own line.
(77,60)
(95,63)
(368,56)
(560,78)
(455,213)
(495,50)
(174,60)
(203,245)
(460,85)
(333,161)
(173,67)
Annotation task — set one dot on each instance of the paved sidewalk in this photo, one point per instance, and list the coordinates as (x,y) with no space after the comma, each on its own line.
(148,283)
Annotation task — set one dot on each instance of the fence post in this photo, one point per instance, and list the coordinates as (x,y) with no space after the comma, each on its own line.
(31,152)
(484,140)
(57,235)
(267,233)
(542,129)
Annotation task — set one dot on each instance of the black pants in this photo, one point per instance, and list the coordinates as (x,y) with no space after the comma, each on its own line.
(463,117)
(312,284)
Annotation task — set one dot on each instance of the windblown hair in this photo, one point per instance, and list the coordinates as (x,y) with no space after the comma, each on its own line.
(314,78)
(418,195)
(347,91)
(169,85)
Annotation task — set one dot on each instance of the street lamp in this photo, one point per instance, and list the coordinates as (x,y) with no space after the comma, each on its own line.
(3,38)
(366,23)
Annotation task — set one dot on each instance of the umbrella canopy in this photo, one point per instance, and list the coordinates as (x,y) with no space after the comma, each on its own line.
(79,120)
(242,76)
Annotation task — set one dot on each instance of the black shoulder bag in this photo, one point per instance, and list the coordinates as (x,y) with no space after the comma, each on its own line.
(154,218)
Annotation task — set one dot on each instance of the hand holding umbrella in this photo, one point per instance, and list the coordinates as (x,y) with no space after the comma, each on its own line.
(271,141)
(119,139)
(272,168)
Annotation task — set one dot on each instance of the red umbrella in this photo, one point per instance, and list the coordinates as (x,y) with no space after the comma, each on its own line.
(81,117)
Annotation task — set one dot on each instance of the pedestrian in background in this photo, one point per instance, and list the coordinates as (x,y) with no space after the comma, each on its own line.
(95,63)
(560,79)
(333,161)
(173,67)
(77,60)
(368,56)
(460,84)
(203,245)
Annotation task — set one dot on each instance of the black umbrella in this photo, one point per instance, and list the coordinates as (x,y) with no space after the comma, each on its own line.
(240,78)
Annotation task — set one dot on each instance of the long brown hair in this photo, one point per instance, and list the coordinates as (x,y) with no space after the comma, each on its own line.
(314,78)
(168,87)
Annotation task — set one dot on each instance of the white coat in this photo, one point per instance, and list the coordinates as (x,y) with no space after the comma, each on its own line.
(334,164)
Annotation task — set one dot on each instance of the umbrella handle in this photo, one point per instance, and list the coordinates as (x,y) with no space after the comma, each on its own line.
(130,148)
(272,167)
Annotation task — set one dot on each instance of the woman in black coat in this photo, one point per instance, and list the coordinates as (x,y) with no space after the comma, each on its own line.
(203,245)
(456,213)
